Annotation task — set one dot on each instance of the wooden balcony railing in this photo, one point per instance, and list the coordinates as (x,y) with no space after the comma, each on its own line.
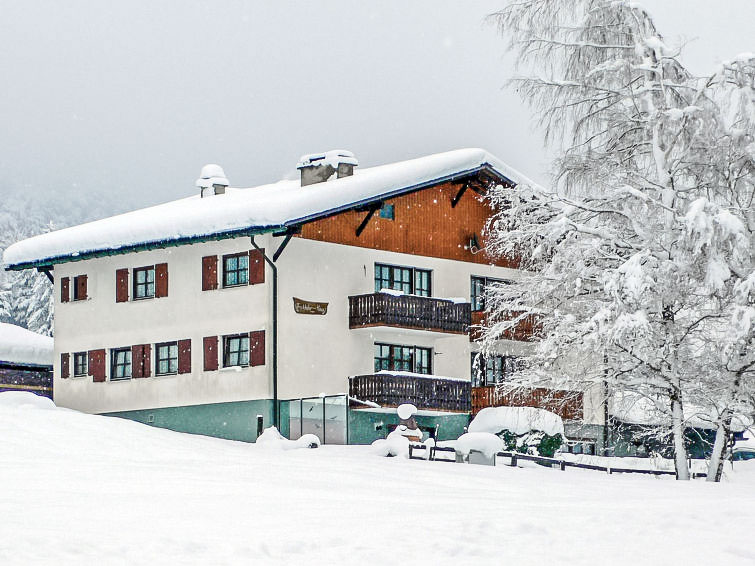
(567,404)
(409,311)
(425,392)
(526,330)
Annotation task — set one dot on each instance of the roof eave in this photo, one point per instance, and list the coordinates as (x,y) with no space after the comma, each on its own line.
(50,262)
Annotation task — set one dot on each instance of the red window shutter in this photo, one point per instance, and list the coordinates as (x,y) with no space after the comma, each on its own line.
(146,360)
(81,287)
(65,360)
(65,289)
(256,266)
(137,362)
(257,348)
(161,280)
(97,365)
(184,356)
(210,344)
(209,273)
(121,285)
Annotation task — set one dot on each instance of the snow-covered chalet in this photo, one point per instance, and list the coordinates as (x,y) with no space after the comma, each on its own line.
(316,304)
(26,360)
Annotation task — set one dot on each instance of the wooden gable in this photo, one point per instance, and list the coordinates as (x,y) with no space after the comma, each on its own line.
(438,221)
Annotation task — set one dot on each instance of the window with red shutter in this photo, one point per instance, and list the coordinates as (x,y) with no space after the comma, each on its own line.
(210,344)
(121,285)
(184,356)
(161,280)
(65,361)
(257,348)
(65,289)
(80,288)
(97,365)
(209,273)
(256,266)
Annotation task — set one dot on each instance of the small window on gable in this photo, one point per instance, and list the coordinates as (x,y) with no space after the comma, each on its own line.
(387,211)
(236,350)
(80,365)
(120,364)
(167,358)
(235,270)
(144,282)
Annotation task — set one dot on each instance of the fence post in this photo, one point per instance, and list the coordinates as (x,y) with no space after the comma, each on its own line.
(513,460)
(562,465)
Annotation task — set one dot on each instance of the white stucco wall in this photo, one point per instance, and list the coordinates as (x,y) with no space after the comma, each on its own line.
(316,354)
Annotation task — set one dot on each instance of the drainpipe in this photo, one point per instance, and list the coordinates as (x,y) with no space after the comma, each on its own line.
(275,332)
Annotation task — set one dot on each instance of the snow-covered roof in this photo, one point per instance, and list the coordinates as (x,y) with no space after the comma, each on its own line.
(19,346)
(248,211)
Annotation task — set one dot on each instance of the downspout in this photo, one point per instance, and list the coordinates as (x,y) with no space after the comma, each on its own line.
(275,332)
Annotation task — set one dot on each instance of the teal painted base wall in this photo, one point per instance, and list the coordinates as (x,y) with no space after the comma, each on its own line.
(363,423)
(233,421)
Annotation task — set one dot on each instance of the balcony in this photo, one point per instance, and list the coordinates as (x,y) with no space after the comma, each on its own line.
(526,330)
(567,404)
(409,311)
(391,389)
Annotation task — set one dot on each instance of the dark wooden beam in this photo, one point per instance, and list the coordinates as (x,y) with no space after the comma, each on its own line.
(457,198)
(47,271)
(289,234)
(373,209)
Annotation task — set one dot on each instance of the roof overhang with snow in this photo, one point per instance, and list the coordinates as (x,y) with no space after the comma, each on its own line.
(23,348)
(246,212)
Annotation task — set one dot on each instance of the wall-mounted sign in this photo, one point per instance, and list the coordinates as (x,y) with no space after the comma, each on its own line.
(309,307)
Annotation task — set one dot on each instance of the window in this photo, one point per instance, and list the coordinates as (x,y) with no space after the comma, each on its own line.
(403,358)
(120,364)
(405,279)
(80,288)
(80,365)
(489,370)
(478,288)
(166,362)
(235,270)
(236,350)
(387,212)
(144,282)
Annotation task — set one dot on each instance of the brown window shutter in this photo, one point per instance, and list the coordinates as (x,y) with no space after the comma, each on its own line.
(209,273)
(121,285)
(65,289)
(256,266)
(257,348)
(137,362)
(97,365)
(184,356)
(65,360)
(146,360)
(210,344)
(141,360)
(161,280)
(81,287)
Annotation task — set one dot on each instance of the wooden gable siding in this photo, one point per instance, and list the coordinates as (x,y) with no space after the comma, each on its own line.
(424,224)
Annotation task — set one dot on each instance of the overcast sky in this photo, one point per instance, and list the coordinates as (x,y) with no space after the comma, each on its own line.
(132,98)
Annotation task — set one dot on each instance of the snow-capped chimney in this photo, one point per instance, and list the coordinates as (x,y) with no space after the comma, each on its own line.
(319,167)
(212,180)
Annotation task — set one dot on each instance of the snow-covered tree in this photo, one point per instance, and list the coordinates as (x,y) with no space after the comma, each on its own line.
(628,252)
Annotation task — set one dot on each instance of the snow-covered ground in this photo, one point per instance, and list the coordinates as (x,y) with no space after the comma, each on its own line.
(81,489)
